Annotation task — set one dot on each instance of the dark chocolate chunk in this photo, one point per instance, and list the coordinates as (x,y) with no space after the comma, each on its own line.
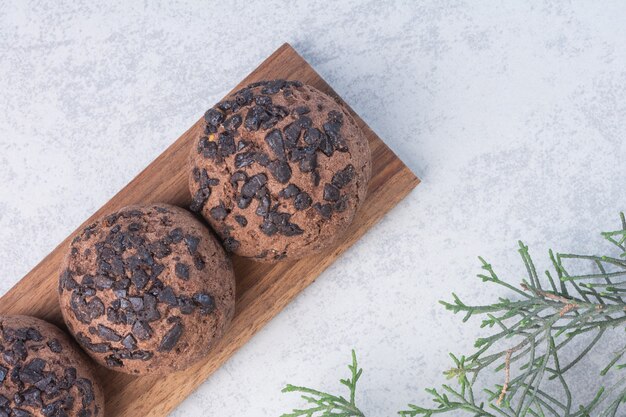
(231,244)
(168,296)
(262,158)
(255,116)
(226,144)
(268,228)
(102,282)
(244,159)
(325,145)
(32,372)
(243,202)
(253,185)
(233,122)
(237,177)
(108,334)
(170,339)
(273,87)
(214,117)
(292,134)
(312,136)
(290,229)
(343,177)
(325,210)
(185,304)
(301,110)
(129,342)
(55,345)
(199,199)
(86,389)
(205,301)
(308,163)
(281,171)
(139,278)
(243,97)
(264,205)
(209,149)
(290,191)
(142,330)
(219,212)
(32,397)
(225,105)
(315,178)
(86,311)
(113,362)
(274,140)
(304,122)
(182,271)
(18,412)
(302,201)
(263,100)
(3,373)
(341,205)
(192,243)
(331,193)
(243,222)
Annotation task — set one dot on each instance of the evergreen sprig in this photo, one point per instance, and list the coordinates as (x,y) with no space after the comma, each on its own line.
(527,348)
(321,404)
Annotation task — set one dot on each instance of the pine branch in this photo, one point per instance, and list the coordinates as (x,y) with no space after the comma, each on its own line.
(322,404)
(531,330)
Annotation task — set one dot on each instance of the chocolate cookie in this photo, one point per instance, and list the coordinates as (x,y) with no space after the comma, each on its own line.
(43,373)
(279,171)
(147,289)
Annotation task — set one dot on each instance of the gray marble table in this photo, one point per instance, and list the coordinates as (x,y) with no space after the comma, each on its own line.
(512,113)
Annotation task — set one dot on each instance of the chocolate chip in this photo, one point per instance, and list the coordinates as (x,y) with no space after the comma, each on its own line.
(142,330)
(182,271)
(274,140)
(102,282)
(325,145)
(86,311)
(243,97)
(273,87)
(231,244)
(219,212)
(192,243)
(32,397)
(281,171)
(226,144)
(302,201)
(302,110)
(290,191)
(312,136)
(32,372)
(129,342)
(108,334)
(244,159)
(208,148)
(3,373)
(253,185)
(343,177)
(262,158)
(308,163)
(86,389)
(170,339)
(325,210)
(167,296)
(264,205)
(292,134)
(268,228)
(255,116)
(232,123)
(243,202)
(176,235)
(304,122)
(214,117)
(199,199)
(185,305)
(205,301)
(55,345)
(225,105)
(331,193)
(139,279)
(243,222)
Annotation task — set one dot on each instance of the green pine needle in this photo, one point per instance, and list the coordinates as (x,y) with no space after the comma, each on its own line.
(322,404)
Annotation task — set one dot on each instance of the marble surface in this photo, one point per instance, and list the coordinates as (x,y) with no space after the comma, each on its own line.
(512,113)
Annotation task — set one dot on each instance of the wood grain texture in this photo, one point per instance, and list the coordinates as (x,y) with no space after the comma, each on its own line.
(262,290)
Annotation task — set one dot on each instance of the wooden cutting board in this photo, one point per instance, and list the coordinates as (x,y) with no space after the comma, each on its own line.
(262,290)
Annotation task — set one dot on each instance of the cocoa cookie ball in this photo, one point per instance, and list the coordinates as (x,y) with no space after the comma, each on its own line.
(279,171)
(43,373)
(147,289)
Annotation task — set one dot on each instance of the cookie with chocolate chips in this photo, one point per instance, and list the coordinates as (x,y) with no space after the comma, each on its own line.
(279,170)
(147,289)
(43,373)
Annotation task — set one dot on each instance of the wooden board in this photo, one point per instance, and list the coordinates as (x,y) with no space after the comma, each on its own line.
(262,290)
